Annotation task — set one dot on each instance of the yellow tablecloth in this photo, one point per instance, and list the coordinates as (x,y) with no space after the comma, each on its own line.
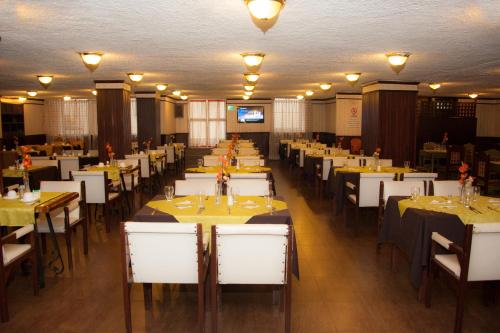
(113,172)
(185,209)
(15,213)
(231,169)
(488,207)
(14,173)
(366,169)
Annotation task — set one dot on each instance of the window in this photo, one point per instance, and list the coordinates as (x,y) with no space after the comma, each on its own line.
(207,122)
(289,115)
(133,117)
(70,119)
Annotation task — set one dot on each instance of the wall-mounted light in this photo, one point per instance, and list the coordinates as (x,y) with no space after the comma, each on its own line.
(253,60)
(32,93)
(176,93)
(397,60)
(251,77)
(94,92)
(45,80)
(135,77)
(325,86)
(161,86)
(91,60)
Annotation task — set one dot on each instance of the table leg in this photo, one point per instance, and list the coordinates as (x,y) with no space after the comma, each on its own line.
(432,162)
(40,267)
(56,252)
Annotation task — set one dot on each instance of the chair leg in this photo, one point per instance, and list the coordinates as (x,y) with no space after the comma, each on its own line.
(148,295)
(67,236)
(44,243)
(428,285)
(201,306)
(4,310)
(127,309)
(213,300)
(85,226)
(288,306)
(459,314)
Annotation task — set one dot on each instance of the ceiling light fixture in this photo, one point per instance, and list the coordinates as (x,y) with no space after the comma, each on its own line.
(22,99)
(91,60)
(32,93)
(67,98)
(251,77)
(352,77)
(325,86)
(45,80)
(94,92)
(135,77)
(248,93)
(177,93)
(253,60)
(300,97)
(473,95)
(309,93)
(161,86)
(264,9)
(245,97)
(249,87)
(397,60)
(184,97)
(434,86)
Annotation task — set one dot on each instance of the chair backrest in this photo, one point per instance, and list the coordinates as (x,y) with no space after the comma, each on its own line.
(352,162)
(93,152)
(250,175)
(446,187)
(195,186)
(365,160)
(338,161)
(258,187)
(427,177)
(455,155)
(252,253)
(252,162)
(385,162)
(485,247)
(95,185)
(78,152)
(162,148)
(189,175)
(210,160)
(40,158)
(355,145)
(65,186)
(369,185)
(397,188)
(248,151)
(469,153)
(68,163)
(45,163)
(145,163)
(163,252)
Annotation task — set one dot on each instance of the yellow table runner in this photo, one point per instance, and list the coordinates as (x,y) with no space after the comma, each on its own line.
(231,169)
(15,213)
(367,169)
(15,173)
(113,172)
(185,209)
(488,207)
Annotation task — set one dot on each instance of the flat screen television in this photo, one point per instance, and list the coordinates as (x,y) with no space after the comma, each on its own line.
(251,114)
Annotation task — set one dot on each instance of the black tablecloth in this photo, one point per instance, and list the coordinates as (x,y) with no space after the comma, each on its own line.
(35,176)
(292,158)
(87,160)
(310,166)
(279,217)
(412,232)
(282,150)
(336,187)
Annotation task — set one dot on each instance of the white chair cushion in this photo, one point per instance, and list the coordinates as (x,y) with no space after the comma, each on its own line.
(449,261)
(350,185)
(57,223)
(112,196)
(13,251)
(352,198)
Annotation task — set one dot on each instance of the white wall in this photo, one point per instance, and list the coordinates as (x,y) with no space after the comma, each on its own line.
(488,118)
(232,125)
(33,117)
(348,115)
(331,115)
(167,116)
(182,124)
(317,110)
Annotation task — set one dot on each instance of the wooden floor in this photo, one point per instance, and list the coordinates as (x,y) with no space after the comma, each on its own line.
(344,286)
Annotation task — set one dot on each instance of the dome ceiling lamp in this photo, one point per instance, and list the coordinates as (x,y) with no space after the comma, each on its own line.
(473,95)
(352,77)
(253,60)
(67,98)
(161,86)
(135,77)
(325,86)
(94,92)
(91,60)
(300,97)
(248,93)
(21,99)
(264,13)
(32,93)
(184,97)
(249,87)
(398,60)
(245,97)
(45,80)
(309,93)
(251,77)
(177,93)
(434,86)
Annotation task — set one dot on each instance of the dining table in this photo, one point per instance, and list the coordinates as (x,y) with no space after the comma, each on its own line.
(408,224)
(206,211)
(36,174)
(16,213)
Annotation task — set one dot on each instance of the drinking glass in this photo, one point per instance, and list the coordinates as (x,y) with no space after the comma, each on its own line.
(467,199)
(407,164)
(362,152)
(199,162)
(415,192)
(169,192)
(269,200)
(476,190)
(201,199)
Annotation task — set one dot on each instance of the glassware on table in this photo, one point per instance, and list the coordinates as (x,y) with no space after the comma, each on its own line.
(199,162)
(476,190)
(415,193)
(407,164)
(269,199)
(449,198)
(21,191)
(468,199)
(362,152)
(201,199)
(169,192)
(218,193)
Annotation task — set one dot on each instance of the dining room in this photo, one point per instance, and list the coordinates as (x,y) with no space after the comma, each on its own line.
(249,166)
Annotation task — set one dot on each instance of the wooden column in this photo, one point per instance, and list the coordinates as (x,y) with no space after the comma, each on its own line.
(389,119)
(148,118)
(113,117)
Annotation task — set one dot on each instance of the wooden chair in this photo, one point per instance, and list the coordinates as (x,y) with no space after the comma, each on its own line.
(163,253)
(445,187)
(482,172)
(148,170)
(12,254)
(454,159)
(257,187)
(48,163)
(355,145)
(68,164)
(251,254)
(475,260)
(195,186)
(97,191)
(131,181)
(426,177)
(65,220)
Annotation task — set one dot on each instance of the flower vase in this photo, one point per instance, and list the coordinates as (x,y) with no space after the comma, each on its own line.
(218,193)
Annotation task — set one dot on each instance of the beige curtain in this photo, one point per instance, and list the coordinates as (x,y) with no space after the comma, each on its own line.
(207,122)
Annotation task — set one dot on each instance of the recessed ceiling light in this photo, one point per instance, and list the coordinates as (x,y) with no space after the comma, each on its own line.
(94,92)
(473,95)
(264,9)
(434,86)
(352,77)
(67,98)
(22,99)
(251,77)
(184,97)
(32,93)
(45,80)
(309,93)
(245,97)
(135,77)
(177,93)
(161,86)
(325,86)
(91,60)
(253,60)
(397,60)
(300,97)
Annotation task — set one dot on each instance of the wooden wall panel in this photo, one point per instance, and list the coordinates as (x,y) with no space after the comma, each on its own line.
(148,121)
(369,123)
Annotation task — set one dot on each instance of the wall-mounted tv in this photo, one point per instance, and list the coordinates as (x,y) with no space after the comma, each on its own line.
(251,114)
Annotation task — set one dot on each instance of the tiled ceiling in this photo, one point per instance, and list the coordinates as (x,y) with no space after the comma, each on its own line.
(194,45)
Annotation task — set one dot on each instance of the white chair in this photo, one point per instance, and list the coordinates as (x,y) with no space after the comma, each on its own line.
(68,164)
(475,260)
(163,253)
(399,188)
(250,175)
(66,219)
(446,187)
(352,162)
(12,254)
(93,152)
(210,160)
(254,187)
(47,163)
(131,180)
(251,254)
(40,158)
(97,191)
(192,175)
(195,186)
(427,177)
(248,151)
(77,152)
(147,169)
(251,162)
(385,162)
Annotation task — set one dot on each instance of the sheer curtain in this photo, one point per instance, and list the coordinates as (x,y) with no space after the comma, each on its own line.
(207,122)
(133,118)
(290,121)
